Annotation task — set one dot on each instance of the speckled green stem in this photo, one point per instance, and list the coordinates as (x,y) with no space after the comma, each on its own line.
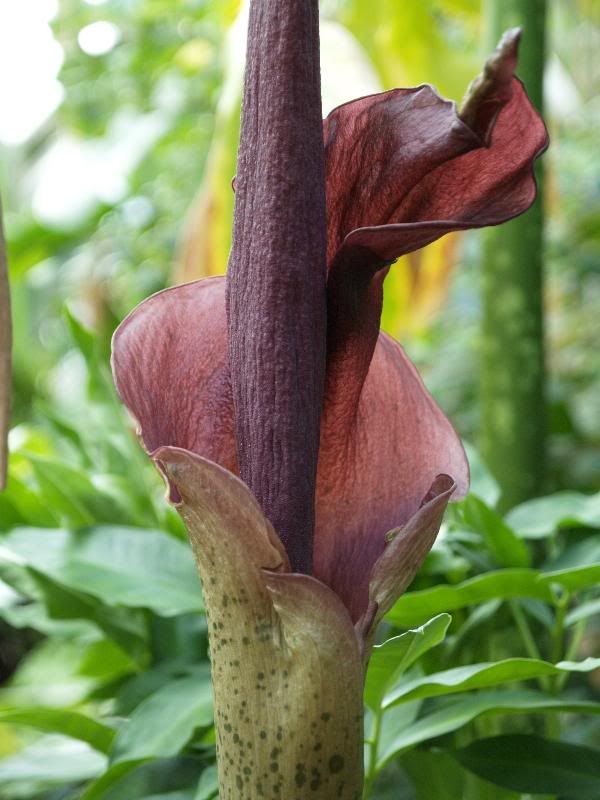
(513,425)
(285,659)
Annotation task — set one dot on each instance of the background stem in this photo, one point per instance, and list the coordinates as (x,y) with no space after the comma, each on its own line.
(513,425)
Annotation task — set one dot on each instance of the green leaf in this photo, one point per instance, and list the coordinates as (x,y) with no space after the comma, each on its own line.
(574,579)
(83,337)
(503,543)
(482,676)
(67,723)
(585,610)
(125,627)
(113,775)
(539,518)
(119,565)
(162,725)
(208,786)
(393,657)
(533,765)
(52,760)
(457,712)
(414,608)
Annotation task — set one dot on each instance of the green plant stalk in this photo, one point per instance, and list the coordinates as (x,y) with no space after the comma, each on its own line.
(527,638)
(512,379)
(373,742)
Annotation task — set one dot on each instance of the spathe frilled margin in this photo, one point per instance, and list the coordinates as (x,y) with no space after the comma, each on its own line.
(5,357)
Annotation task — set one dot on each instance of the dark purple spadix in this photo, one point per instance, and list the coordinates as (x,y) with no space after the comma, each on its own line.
(276,299)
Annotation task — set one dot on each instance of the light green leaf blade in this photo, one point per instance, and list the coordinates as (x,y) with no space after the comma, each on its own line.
(161,725)
(584,611)
(506,547)
(119,565)
(539,518)
(67,723)
(414,608)
(208,786)
(482,676)
(395,656)
(53,760)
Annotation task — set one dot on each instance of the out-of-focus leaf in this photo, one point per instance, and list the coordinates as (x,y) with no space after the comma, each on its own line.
(72,495)
(208,786)
(66,723)
(126,627)
(506,547)
(414,46)
(585,610)
(119,565)
(414,608)
(482,676)
(417,286)
(395,656)
(162,725)
(52,760)
(533,765)
(168,778)
(27,505)
(458,712)
(539,518)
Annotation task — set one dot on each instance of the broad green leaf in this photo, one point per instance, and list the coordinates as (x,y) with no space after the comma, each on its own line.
(503,543)
(71,494)
(118,565)
(534,765)
(482,676)
(414,608)
(393,657)
(539,518)
(67,723)
(125,626)
(107,781)
(460,711)
(27,504)
(574,579)
(208,786)
(161,725)
(164,778)
(52,760)
(585,610)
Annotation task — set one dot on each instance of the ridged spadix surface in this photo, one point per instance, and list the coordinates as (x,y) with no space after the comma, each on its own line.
(285,658)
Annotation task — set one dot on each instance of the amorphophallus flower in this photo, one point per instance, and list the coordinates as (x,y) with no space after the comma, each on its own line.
(279,374)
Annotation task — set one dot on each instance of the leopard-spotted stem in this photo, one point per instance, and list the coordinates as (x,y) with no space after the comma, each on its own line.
(285,658)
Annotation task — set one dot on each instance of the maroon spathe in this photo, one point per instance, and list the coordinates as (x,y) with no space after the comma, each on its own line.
(277,271)
(402,168)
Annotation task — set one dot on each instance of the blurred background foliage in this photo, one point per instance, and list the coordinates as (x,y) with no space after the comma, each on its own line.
(117,150)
